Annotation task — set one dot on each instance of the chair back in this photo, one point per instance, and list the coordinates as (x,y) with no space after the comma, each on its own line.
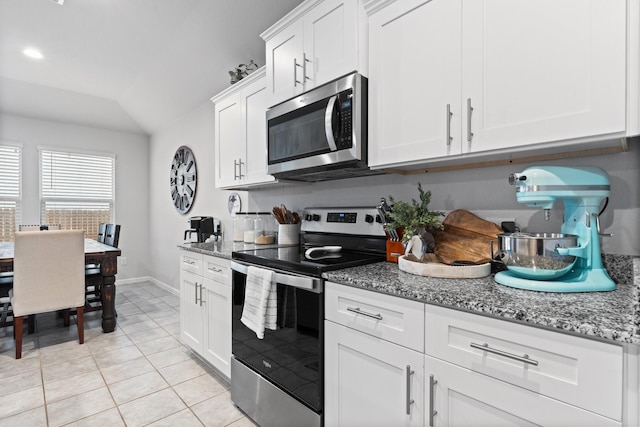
(102,230)
(38,227)
(48,271)
(112,235)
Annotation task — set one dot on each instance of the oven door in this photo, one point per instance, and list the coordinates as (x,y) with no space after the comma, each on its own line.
(289,357)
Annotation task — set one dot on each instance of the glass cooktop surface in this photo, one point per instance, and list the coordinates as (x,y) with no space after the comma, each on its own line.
(293,259)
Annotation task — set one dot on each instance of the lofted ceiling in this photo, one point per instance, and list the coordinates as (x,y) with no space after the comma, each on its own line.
(131,65)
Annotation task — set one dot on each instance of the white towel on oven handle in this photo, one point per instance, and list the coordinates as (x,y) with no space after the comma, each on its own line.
(260,301)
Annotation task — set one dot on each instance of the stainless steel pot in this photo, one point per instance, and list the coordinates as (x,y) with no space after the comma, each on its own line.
(534,256)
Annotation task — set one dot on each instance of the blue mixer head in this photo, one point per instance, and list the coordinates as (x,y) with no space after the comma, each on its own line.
(541,186)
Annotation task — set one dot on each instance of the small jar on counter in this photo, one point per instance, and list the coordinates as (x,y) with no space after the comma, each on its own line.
(248,235)
(264,229)
(238,228)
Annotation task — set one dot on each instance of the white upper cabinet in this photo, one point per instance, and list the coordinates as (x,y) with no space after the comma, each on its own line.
(454,78)
(317,42)
(241,134)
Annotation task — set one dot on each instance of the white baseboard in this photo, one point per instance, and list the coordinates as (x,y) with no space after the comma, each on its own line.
(131,281)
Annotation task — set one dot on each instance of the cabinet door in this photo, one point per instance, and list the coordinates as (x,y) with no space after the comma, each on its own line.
(369,381)
(464,398)
(414,75)
(330,41)
(284,63)
(217,302)
(191,312)
(230,137)
(255,106)
(543,71)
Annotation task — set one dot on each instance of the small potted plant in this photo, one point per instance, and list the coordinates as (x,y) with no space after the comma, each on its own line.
(242,71)
(416,219)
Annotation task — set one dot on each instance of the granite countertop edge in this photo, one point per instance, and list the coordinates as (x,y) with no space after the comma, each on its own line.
(610,316)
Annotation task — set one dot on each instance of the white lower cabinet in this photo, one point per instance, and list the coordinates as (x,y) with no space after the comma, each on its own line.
(205,308)
(370,381)
(457,396)
(465,369)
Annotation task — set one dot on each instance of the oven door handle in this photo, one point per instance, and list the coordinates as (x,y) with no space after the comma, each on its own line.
(289,279)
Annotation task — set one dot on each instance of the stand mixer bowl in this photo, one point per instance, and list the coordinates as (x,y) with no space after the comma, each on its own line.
(534,256)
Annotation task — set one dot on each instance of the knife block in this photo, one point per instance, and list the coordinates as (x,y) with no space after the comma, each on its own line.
(395,249)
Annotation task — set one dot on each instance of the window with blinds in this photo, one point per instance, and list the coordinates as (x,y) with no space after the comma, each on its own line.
(76,190)
(10,190)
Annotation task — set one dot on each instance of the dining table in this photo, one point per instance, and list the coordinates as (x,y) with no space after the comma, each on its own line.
(94,253)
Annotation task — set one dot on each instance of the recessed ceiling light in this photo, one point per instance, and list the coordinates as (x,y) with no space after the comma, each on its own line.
(33,53)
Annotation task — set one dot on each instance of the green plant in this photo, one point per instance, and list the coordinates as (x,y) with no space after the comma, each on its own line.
(242,71)
(414,217)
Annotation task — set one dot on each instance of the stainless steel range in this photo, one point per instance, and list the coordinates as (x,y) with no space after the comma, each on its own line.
(278,380)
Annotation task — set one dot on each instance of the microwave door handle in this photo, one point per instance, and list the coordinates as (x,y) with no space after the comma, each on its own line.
(328,129)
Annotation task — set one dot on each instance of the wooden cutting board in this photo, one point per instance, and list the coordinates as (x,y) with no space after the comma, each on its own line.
(466,237)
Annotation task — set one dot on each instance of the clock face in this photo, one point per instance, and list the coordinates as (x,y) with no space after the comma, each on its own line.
(183,179)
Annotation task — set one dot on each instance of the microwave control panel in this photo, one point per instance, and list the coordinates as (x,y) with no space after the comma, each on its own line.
(345,115)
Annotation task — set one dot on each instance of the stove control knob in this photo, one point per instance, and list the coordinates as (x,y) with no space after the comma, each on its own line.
(316,217)
(308,217)
(378,219)
(368,218)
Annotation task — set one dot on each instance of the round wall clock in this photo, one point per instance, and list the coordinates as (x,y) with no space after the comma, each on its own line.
(183,179)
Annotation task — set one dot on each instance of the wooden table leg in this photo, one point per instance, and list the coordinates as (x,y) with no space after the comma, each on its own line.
(108,304)
(109,267)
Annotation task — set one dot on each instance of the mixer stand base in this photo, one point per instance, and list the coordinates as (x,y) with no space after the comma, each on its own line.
(577,280)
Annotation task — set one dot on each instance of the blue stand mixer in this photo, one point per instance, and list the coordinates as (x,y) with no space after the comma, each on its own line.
(567,262)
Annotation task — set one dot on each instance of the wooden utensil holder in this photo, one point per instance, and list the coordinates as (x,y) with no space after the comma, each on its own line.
(395,249)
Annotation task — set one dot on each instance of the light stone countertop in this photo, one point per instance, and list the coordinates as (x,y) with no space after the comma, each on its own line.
(611,315)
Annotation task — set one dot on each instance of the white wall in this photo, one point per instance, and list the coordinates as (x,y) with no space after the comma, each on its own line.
(484,191)
(132,177)
(196,132)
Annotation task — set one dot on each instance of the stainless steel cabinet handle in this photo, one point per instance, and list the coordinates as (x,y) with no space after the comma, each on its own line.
(235,170)
(196,289)
(364,313)
(188,261)
(240,163)
(449,115)
(469,111)
(304,67)
(295,73)
(215,270)
(524,358)
(432,389)
(409,399)
(201,295)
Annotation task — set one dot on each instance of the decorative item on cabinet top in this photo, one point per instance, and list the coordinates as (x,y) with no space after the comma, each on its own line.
(183,179)
(242,71)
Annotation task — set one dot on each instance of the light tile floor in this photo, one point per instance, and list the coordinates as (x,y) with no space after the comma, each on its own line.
(138,375)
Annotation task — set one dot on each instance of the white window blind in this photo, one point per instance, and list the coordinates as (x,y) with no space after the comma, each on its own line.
(10,190)
(76,189)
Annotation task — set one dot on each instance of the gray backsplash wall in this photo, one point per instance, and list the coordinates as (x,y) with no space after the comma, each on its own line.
(484,191)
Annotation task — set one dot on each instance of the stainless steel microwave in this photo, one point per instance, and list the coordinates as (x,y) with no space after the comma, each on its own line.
(321,134)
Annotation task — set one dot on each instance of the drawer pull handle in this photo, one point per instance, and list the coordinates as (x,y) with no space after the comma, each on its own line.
(364,313)
(215,270)
(186,261)
(432,389)
(410,401)
(523,359)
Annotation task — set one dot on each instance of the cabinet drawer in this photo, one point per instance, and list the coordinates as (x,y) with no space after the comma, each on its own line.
(191,261)
(578,371)
(394,319)
(217,269)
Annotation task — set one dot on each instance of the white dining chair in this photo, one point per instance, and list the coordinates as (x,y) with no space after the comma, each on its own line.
(48,275)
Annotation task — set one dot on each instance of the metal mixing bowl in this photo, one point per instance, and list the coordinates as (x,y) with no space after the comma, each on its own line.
(534,256)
